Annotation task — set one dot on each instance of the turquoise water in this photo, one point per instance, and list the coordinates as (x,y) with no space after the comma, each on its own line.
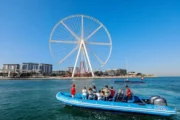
(35,99)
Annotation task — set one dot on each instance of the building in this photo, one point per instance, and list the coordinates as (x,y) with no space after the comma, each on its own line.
(59,73)
(121,72)
(1,72)
(132,73)
(14,68)
(98,73)
(45,68)
(70,69)
(110,72)
(116,72)
(37,68)
(30,67)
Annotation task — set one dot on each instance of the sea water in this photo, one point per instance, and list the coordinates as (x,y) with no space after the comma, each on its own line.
(35,99)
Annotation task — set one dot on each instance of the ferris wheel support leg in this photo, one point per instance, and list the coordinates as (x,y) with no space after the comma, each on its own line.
(85,60)
(77,57)
(88,58)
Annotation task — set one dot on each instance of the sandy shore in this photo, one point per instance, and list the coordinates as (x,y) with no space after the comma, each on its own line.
(66,78)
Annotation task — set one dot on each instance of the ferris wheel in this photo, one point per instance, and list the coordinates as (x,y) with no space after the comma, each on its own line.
(83,38)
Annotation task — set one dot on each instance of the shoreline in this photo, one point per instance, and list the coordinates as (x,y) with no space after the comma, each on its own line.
(67,78)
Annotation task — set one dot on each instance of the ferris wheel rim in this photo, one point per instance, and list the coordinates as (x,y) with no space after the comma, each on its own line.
(89,17)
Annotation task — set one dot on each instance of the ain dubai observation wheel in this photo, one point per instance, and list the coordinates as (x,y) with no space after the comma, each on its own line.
(80,39)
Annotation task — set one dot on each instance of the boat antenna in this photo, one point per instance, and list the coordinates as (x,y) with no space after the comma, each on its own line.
(127,72)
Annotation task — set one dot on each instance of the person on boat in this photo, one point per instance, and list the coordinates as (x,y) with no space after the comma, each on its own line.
(128,93)
(73,90)
(103,95)
(94,92)
(84,93)
(102,89)
(99,95)
(94,89)
(112,92)
(90,94)
(107,93)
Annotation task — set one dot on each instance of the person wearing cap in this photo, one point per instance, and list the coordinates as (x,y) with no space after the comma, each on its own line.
(73,90)
(128,93)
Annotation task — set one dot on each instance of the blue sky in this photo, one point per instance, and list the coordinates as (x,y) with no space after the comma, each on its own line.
(145,33)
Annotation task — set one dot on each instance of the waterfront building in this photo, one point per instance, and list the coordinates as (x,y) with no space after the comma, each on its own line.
(59,73)
(122,72)
(42,68)
(133,74)
(1,72)
(110,72)
(30,67)
(98,73)
(45,69)
(10,68)
(105,73)
(70,69)
(116,72)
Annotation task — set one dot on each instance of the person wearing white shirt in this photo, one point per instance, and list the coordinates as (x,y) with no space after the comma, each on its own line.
(84,93)
(90,94)
(99,95)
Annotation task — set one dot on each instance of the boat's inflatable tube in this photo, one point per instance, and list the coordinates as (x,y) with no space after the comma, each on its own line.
(129,107)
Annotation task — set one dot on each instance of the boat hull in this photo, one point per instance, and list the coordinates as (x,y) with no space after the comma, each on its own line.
(115,106)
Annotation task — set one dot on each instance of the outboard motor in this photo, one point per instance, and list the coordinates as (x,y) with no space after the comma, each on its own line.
(153,98)
(160,101)
(119,95)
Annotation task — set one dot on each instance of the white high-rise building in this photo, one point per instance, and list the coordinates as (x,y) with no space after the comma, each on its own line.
(30,67)
(11,68)
(45,68)
(37,68)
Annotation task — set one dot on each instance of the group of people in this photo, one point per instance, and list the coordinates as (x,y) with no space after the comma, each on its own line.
(93,94)
(105,93)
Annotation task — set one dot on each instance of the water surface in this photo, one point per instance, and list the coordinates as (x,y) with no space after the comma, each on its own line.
(35,99)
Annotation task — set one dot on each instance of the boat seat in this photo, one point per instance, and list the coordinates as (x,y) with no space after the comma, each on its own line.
(112,99)
(118,97)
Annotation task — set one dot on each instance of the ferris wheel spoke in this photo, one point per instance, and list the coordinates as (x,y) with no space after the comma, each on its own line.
(68,54)
(72,33)
(99,43)
(93,32)
(64,41)
(96,56)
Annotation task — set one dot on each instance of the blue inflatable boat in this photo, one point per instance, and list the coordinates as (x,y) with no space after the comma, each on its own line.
(139,105)
(131,82)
